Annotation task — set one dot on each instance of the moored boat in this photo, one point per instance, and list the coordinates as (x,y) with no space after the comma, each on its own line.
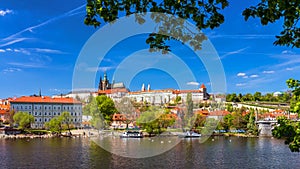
(132,134)
(190,134)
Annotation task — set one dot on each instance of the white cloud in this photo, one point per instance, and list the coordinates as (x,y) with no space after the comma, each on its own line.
(287,52)
(233,52)
(268,71)
(27,65)
(96,69)
(254,76)
(241,74)
(12,41)
(4,12)
(193,83)
(48,51)
(240,84)
(8,49)
(245,77)
(11,70)
(289,69)
(2,50)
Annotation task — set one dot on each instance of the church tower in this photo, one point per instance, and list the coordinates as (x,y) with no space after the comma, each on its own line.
(104,82)
(100,84)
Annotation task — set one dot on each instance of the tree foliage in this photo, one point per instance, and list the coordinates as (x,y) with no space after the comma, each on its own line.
(270,11)
(205,14)
(101,108)
(55,125)
(286,128)
(23,119)
(155,120)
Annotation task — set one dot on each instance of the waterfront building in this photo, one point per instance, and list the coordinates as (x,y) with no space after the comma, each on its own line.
(4,109)
(44,108)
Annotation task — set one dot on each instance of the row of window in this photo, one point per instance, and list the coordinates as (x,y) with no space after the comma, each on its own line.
(49,108)
(54,114)
(48,119)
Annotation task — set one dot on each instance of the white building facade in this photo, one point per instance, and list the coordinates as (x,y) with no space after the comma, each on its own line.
(45,108)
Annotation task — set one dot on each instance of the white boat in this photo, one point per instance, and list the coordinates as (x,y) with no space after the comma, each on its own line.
(132,134)
(189,134)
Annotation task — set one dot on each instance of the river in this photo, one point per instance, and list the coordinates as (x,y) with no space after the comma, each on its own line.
(219,152)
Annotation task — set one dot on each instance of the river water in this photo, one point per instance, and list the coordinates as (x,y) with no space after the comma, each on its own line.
(219,152)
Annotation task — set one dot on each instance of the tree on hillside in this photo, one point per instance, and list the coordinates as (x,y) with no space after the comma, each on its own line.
(257,96)
(149,120)
(286,128)
(101,108)
(23,119)
(251,126)
(205,14)
(106,107)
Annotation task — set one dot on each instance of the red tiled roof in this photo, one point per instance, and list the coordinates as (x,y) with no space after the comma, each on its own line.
(4,111)
(110,91)
(202,86)
(118,117)
(219,113)
(202,112)
(44,99)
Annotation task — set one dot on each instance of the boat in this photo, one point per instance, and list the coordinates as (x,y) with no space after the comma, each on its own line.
(190,134)
(132,134)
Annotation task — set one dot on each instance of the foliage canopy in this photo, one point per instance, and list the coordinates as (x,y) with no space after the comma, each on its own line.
(204,14)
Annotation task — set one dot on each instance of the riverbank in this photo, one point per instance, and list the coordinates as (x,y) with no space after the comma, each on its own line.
(80,133)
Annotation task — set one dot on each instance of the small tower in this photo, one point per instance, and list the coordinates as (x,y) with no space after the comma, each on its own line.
(100,84)
(104,82)
(148,87)
(203,90)
(143,87)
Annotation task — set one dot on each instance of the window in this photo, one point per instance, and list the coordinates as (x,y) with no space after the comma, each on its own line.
(35,107)
(71,114)
(58,114)
(75,114)
(49,113)
(54,114)
(54,108)
(35,119)
(45,113)
(40,114)
(29,107)
(58,108)
(35,113)
(40,119)
(25,107)
(45,108)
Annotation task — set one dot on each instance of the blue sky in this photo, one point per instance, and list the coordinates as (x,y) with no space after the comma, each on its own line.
(41,40)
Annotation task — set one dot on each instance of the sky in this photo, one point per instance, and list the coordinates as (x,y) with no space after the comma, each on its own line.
(41,41)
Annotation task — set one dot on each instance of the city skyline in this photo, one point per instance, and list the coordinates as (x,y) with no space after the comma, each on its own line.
(39,45)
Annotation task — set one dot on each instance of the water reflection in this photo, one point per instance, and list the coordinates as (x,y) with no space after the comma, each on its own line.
(217,152)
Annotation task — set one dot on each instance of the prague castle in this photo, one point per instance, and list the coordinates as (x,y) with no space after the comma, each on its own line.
(116,91)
